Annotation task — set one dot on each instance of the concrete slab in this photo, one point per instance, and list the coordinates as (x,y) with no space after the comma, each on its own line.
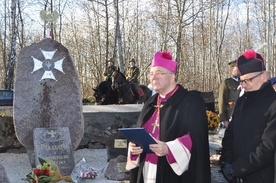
(112,108)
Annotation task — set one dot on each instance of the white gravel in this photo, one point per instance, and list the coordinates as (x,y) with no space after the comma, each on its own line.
(17,166)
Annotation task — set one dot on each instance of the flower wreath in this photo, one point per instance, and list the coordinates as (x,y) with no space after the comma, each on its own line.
(46,172)
(213,120)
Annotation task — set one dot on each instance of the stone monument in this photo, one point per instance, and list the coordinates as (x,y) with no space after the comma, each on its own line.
(47,92)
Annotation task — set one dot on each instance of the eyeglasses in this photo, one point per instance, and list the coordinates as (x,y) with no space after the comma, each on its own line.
(158,74)
(246,81)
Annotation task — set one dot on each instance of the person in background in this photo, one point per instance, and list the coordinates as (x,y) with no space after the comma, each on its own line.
(228,94)
(248,146)
(177,119)
(132,78)
(132,72)
(109,69)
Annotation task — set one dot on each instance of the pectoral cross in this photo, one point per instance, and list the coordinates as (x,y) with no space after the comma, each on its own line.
(156,123)
(159,106)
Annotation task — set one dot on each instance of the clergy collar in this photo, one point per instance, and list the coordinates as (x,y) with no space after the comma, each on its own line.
(170,93)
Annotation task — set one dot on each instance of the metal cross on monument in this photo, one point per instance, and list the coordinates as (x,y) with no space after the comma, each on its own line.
(49,17)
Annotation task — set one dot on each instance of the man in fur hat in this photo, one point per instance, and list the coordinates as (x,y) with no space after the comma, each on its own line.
(248,146)
(176,118)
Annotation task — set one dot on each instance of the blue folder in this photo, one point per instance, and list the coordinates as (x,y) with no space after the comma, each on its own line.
(140,137)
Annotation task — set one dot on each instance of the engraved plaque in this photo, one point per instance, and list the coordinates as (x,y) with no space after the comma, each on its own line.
(54,144)
(120,143)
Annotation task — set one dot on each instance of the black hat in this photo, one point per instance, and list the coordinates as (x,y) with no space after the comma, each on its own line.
(250,61)
(232,63)
(132,60)
(110,60)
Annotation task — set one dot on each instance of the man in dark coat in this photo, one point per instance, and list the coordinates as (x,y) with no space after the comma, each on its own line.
(176,118)
(249,142)
(228,92)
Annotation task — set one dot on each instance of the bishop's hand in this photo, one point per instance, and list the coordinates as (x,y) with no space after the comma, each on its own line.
(160,149)
(135,150)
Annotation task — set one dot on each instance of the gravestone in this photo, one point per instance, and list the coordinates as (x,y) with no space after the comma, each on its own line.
(54,144)
(47,92)
(116,145)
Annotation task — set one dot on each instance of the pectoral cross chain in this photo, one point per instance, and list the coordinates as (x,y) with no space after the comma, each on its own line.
(159,106)
(156,123)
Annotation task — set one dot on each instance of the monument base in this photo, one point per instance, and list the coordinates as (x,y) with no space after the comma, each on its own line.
(31,156)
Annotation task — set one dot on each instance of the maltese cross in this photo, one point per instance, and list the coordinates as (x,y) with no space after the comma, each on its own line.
(48,65)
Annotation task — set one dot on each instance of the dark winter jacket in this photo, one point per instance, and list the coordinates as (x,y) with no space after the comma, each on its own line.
(228,92)
(249,141)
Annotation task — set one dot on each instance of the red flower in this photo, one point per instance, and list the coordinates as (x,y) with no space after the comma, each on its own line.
(46,172)
(43,173)
(37,171)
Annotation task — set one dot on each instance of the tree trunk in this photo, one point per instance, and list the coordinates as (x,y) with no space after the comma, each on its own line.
(10,65)
(119,37)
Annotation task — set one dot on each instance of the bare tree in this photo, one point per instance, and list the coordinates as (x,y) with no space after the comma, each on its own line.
(4,45)
(118,38)
(10,65)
